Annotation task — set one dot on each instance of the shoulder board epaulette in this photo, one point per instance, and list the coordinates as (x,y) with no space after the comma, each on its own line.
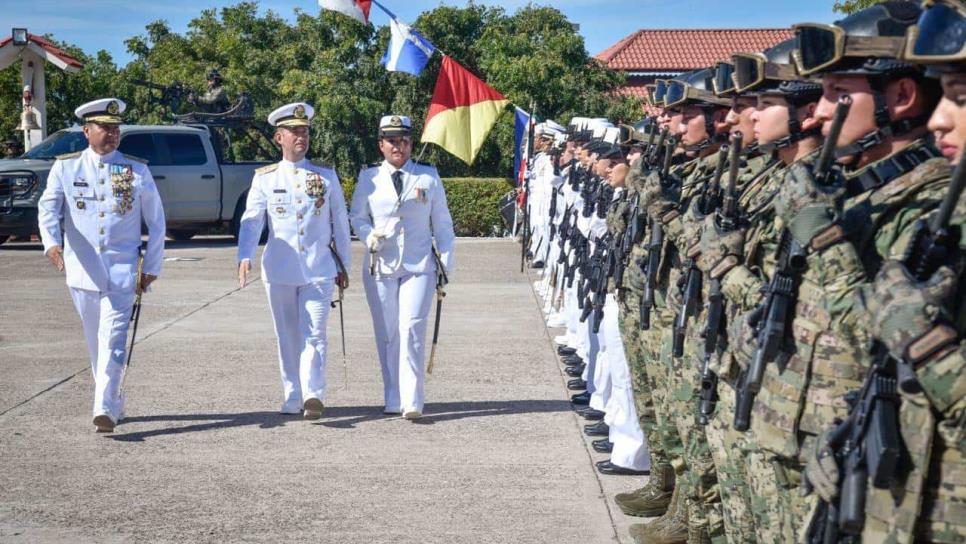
(135,159)
(66,156)
(375,165)
(424,164)
(266,169)
(321,164)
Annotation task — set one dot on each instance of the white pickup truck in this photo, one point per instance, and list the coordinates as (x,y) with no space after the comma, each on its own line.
(200,188)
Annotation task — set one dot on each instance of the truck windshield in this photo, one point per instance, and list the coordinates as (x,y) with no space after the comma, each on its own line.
(58,143)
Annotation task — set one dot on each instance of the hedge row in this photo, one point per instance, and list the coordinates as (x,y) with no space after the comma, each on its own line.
(474,203)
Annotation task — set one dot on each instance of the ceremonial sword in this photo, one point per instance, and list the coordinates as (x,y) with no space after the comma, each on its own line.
(342,285)
(135,314)
(441,281)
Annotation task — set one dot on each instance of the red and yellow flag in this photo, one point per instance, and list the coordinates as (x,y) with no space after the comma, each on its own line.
(462,111)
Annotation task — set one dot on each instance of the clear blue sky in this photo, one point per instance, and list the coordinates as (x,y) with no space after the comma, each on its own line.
(105,24)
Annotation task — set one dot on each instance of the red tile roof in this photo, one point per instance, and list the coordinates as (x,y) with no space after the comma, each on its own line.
(686,49)
(50,48)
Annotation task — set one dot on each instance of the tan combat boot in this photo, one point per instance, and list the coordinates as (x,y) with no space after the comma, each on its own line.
(651,500)
(671,528)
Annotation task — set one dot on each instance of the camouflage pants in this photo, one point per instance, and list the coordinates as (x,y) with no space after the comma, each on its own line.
(704,499)
(729,453)
(779,510)
(643,398)
(658,380)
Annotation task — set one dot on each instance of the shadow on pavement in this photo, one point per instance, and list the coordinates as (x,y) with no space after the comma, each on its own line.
(264,420)
(337,417)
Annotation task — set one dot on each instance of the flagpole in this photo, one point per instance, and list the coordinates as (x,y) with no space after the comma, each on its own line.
(383,8)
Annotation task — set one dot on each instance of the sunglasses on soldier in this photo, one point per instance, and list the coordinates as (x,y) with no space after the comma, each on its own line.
(940,34)
(752,69)
(821,46)
(723,82)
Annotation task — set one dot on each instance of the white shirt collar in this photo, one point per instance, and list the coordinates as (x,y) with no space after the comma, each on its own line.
(407,167)
(293,165)
(106,159)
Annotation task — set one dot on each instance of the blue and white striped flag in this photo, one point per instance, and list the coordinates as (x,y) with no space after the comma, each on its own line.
(408,50)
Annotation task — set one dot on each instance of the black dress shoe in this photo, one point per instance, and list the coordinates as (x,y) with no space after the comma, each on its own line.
(597,429)
(571,360)
(581,399)
(603,445)
(574,371)
(565,350)
(590,414)
(577,384)
(606,467)
(537,264)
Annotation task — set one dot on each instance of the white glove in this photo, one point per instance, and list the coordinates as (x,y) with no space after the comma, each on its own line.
(375,240)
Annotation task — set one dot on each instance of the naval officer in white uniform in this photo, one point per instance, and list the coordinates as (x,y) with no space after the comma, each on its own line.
(307,217)
(102,197)
(399,209)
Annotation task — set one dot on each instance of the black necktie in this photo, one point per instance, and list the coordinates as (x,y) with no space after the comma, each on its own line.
(397,181)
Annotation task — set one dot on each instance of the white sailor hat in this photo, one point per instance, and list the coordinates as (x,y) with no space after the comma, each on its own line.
(296,114)
(106,111)
(395,125)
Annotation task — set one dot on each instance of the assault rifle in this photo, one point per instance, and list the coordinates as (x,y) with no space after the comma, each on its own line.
(727,220)
(867,445)
(772,319)
(654,247)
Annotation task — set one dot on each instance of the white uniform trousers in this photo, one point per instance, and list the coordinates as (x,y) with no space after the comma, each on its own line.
(300,314)
(400,315)
(589,348)
(602,371)
(630,446)
(105,318)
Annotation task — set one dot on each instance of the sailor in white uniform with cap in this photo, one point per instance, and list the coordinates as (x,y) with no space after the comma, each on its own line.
(399,209)
(102,197)
(307,218)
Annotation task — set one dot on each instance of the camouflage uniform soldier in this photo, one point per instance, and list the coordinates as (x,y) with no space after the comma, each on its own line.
(652,499)
(888,180)
(704,130)
(916,314)
(740,260)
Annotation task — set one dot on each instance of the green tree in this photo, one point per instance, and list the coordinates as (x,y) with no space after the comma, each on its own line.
(849,7)
(332,62)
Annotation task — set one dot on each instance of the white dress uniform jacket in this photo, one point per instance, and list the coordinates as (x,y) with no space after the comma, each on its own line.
(306,213)
(100,243)
(102,201)
(400,292)
(412,221)
(297,251)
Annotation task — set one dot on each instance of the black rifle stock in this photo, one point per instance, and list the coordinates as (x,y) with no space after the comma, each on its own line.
(654,247)
(774,313)
(708,397)
(772,322)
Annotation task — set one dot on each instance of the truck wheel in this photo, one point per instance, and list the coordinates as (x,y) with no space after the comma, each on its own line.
(181,235)
(4,238)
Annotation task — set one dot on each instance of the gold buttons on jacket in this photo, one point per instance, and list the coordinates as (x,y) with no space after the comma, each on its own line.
(101,214)
(301,232)
(102,231)
(299,216)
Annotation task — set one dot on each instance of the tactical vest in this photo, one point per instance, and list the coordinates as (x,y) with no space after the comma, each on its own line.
(829,358)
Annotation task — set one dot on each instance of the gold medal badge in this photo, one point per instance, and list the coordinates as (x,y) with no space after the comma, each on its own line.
(299,112)
(315,188)
(122,186)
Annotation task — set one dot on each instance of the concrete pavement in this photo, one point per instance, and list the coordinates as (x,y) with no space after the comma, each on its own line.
(204,455)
